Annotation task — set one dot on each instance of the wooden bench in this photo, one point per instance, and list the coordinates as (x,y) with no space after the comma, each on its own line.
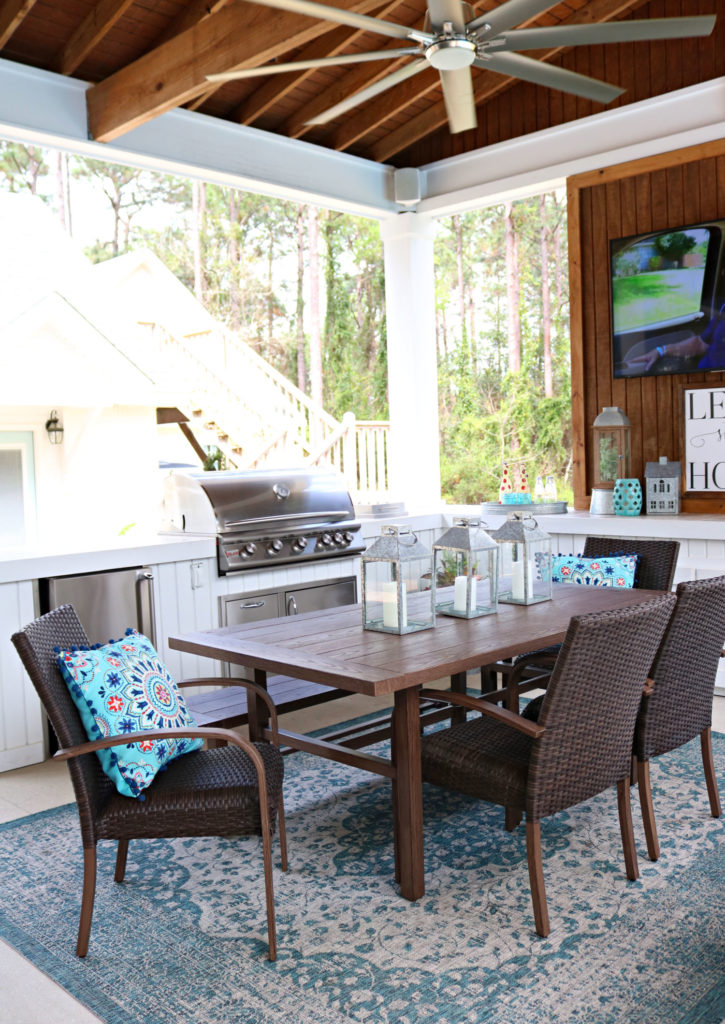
(227,706)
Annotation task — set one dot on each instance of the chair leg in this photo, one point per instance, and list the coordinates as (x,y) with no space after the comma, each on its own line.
(648,811)
(268,886)
(513,818)
(89,893)
(625,825)
(121,855)
(708,764)
(281,825)
(536,877)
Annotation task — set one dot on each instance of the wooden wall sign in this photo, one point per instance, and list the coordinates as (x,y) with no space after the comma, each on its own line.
(705,440)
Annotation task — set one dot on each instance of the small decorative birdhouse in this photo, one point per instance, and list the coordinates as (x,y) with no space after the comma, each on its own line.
(663,487)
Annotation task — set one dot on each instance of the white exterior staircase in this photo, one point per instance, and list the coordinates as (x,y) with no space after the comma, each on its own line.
(259,418)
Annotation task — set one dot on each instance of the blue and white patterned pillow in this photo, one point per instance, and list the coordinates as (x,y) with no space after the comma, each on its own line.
(123,687)
(595,572)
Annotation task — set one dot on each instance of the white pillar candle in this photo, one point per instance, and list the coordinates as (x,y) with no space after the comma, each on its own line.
(517,582)
(390,606)
(459,594)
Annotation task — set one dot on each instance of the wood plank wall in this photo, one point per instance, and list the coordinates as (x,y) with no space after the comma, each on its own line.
(642,69)
(666,191)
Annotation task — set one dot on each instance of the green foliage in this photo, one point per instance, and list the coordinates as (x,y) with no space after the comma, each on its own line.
(674,245)
(488,415)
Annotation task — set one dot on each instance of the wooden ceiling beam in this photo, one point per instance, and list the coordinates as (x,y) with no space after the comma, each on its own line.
(192,14)
(89,33)
(12,14)
(329,45)
(487,83)
(237,36)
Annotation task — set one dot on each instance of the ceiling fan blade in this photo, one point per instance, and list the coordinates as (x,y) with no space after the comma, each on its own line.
(321,62)
(458,97)
(441,11)
(361,21)
(509,14)
(609,32)
(550,75)
(372,90)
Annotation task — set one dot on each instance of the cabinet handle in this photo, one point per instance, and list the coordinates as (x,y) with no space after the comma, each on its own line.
(291,606)
(252,604)
(144,587)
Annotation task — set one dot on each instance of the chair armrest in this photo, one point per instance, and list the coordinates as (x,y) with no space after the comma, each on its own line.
(249,686)
(502,715)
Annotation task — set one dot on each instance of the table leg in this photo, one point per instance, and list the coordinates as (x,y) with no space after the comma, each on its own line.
(408,793)
(257,713)
(459,681)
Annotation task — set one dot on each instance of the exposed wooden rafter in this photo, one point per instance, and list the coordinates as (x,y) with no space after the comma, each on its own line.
(278,86)
(12,13)
(238,36)
(89,33)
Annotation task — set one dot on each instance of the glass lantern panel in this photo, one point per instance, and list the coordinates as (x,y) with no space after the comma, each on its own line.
(466,582)
(397,596)
(609,455)
(525,571)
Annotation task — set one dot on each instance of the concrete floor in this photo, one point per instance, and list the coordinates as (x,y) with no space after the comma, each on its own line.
(28,996)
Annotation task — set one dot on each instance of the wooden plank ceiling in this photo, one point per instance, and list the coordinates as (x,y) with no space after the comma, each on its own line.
(145,57)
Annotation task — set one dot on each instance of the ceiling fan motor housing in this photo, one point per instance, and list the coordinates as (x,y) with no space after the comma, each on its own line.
(450,53)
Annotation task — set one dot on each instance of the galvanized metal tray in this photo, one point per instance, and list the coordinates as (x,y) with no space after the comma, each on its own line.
(536,508)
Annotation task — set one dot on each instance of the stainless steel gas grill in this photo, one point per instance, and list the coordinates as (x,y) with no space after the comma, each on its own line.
(264,517)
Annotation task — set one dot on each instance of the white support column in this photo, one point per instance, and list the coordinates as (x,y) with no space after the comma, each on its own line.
(414,453)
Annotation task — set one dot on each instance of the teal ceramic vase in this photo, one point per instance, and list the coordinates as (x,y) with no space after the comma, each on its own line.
(627,497)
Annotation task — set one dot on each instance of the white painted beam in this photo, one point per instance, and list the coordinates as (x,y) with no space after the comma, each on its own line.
(543,160)
(42,108)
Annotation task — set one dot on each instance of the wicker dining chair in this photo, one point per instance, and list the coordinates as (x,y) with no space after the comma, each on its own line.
(677,706)
(655,571)
(581,745)
(231,791)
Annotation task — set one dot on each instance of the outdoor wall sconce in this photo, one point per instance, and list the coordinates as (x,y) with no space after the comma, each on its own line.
(466,559)
(54,428)
(397,590)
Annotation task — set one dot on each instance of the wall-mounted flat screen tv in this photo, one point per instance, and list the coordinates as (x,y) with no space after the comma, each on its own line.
(668,301)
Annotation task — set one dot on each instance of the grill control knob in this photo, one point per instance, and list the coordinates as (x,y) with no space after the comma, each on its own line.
(348,537)
(338,537)
(300,544)
(274,546)
(326,539)
(248,549)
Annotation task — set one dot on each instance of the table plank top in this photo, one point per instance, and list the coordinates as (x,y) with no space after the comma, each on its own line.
(331,646)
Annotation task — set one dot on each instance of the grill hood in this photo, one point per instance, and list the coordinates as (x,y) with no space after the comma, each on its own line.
(233,502)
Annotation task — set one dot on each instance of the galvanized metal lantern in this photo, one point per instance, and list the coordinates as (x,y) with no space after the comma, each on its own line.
(611,457)
(524,561)
(397,591)
(465,571)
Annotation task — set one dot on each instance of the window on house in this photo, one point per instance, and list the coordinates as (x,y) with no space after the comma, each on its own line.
(17,486)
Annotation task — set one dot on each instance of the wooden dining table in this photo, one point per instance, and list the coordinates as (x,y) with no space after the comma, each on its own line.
(331,647)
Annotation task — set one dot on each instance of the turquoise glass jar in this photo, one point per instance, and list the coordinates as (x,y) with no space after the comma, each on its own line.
(627,497)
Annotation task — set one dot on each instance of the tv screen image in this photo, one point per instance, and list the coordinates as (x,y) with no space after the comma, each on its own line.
(668,301)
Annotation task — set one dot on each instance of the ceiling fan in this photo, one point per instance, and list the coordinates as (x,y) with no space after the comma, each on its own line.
(453,41)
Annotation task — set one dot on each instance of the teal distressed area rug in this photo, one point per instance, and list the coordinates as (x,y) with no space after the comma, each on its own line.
(181,941)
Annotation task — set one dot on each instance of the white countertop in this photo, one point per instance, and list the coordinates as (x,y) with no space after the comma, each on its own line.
(64,557)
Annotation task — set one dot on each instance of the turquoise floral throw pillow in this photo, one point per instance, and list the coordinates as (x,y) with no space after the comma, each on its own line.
(594,572)
(122,687)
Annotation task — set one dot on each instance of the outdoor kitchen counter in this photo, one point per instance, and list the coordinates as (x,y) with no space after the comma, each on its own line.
(61,557)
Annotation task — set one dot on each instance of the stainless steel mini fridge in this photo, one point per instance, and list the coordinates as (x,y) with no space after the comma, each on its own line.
(105,602)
